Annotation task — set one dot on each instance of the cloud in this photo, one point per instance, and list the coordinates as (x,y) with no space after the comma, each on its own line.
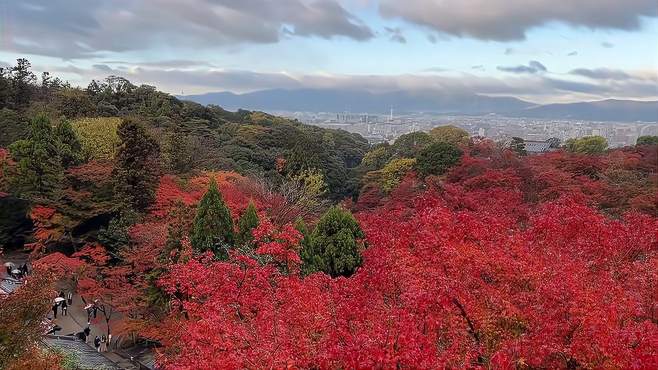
(507,20)
(478,67)
(532,67)
(509,51)
(82,28)
(103,68)
(396,35)
(607,45)
(572,54)
(601,74)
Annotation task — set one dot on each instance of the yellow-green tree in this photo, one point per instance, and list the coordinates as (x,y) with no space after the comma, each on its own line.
(394,171)
(587,145)
(98,137)
(450,134)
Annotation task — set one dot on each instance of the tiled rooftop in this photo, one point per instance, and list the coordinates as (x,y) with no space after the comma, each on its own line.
(86,357)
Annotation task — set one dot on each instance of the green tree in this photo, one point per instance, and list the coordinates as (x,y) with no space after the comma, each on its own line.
(376,158)
(587,145)
(437,158)
(39,171)
(212,229)
(335,245)
(247,222)
(12,126)
(23,82)
(647,140)
(177,153)
(69,148)
(136,171)
(450,134)
(410,145)
(517,145)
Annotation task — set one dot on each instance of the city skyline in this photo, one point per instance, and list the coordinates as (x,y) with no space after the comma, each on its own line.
(541,52)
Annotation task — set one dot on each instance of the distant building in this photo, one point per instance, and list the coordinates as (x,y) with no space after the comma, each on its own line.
(537,147)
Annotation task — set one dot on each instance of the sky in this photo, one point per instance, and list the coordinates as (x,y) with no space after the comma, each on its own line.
(542,51)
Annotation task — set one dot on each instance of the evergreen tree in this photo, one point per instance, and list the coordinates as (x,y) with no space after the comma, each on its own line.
(68,145)
(39,171)
(213,227)
(247,222)
(335,244)
(177,153)
(136,170)
(437,158)
(300,226)
(517,145)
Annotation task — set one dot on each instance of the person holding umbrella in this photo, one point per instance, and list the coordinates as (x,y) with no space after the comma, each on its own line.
(9,266)
(58,301)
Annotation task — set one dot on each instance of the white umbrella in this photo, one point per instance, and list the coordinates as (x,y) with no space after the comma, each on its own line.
(15,271)
(59,299)
(9,264)
(89,306)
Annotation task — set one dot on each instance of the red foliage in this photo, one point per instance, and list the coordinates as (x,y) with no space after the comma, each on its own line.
(173,190)
(59,264)
(92,172)
(47,227)
(440,287)
(282,245)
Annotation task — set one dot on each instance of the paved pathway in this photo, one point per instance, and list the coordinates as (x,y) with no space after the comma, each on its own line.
(76,319)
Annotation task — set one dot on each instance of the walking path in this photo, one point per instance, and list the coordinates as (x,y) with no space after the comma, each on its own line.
(76,319)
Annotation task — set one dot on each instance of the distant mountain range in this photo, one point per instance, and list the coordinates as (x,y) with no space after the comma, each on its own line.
(336,100)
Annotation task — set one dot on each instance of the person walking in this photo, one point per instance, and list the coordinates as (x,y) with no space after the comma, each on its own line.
(97,343)
(55,310)
(103,343)
(65,307)
(109,341)
(69,298)
(87,332)
(95,310)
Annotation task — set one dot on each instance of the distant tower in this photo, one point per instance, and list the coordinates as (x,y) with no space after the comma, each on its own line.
(390,118)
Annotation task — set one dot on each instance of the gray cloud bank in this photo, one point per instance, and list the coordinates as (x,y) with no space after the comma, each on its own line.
(506,20)
(83,28)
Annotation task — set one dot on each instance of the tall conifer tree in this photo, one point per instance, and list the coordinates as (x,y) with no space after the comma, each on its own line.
(248,221)
(39,171)
(136,172)
(213,225)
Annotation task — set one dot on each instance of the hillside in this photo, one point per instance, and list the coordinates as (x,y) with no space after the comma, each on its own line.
(604,110)
(332,100)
